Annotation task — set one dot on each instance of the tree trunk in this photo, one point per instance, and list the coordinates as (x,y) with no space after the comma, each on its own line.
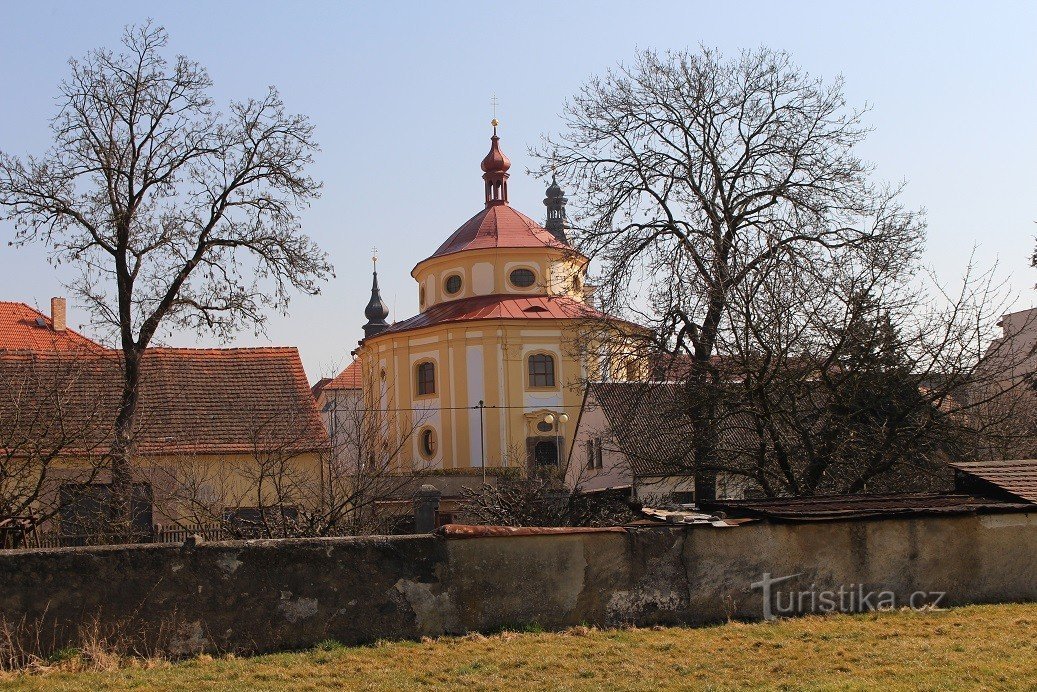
(123,449)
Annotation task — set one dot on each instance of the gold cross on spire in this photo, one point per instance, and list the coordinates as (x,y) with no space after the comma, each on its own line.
(494,102)
(374,258)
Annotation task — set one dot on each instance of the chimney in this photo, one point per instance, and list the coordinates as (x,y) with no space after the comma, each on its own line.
(57,314)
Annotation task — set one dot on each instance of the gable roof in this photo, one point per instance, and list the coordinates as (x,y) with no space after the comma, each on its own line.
(647,420)
(192,401)
(25,328)
(350,378)
(1017,477)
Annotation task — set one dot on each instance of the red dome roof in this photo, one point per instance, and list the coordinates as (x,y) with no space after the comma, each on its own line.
(498,226)
(495,161)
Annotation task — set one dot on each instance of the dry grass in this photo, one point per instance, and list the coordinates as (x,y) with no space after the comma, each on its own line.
(981,647)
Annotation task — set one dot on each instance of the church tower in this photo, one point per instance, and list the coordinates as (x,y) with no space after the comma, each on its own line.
(376,310)
(555,203)
(489,372)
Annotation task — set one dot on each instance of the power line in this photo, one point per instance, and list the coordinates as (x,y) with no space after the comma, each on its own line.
(460,408)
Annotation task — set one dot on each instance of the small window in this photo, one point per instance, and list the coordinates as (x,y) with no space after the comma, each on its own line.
(428,443)
(421,296)
(426,378)
(453,284)
(523,278)
(541,370)
(545,427)
(590,454)
(597,452)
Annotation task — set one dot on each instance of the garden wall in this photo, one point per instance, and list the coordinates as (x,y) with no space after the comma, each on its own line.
(266,595)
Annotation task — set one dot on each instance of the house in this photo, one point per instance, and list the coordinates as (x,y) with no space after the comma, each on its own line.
(219,431)
(23,328)
(637,437)
(340,401)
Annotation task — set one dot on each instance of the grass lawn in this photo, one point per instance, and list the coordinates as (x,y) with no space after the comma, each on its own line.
(992,647)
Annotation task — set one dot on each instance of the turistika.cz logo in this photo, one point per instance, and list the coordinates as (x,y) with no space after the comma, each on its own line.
(781,600)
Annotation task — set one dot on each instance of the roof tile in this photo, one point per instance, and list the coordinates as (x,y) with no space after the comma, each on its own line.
(24,328)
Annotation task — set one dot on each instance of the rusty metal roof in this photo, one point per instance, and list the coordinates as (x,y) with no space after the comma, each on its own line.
(832,507)
(1017,477)
(465,531)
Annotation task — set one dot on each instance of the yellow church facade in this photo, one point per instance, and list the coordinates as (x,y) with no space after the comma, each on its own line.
(490,373)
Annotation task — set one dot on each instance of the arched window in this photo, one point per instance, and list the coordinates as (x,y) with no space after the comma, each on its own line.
(426,377)
(428,443)
(541,370)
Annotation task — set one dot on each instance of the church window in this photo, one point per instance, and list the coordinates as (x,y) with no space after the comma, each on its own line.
(426,378)
(428,443)
(453,284)
(541,370)
(523,278)
(421,296)
(590,454)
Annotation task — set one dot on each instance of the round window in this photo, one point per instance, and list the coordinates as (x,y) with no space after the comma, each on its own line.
(428,442)
(453,284)
(544,426)
(523,278)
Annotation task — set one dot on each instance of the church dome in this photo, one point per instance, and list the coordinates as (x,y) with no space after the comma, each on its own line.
(499,226)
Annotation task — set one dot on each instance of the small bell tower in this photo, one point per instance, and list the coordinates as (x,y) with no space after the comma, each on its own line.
(495,171)
(555,202)
(376,310)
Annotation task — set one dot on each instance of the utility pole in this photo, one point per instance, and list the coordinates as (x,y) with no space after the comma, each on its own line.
(482,440)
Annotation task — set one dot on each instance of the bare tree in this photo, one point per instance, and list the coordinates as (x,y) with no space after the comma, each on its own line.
(699,173)
(178,216)
(731,213)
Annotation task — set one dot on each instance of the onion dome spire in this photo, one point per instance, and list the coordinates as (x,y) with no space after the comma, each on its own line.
(495,171)
(376,310)
(555,202)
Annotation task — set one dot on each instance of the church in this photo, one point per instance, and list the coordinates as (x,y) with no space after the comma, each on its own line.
(491,371)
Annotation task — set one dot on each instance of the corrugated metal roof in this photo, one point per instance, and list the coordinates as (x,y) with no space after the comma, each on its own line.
(1018,476)
(832,507)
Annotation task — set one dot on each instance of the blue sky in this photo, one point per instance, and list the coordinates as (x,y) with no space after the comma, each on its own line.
(400,95)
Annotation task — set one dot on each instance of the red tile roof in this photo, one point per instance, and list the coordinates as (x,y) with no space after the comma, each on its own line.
(1017,477)
(350,378)
(498,307)
(193,401)
(499,226)
(23,328)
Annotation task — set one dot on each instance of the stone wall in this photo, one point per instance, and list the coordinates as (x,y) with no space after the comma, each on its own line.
(266,595)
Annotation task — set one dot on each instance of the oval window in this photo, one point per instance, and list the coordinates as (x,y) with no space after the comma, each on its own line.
(453,284)
(523,278)
(428,442)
